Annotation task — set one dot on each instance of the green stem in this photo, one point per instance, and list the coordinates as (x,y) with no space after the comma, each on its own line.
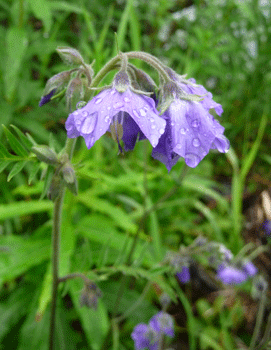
(259,322)
(56,234)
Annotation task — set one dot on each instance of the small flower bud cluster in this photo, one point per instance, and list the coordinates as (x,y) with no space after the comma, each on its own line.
(150,336)
(175,116)
(72,81)
(90,295)
(64,172)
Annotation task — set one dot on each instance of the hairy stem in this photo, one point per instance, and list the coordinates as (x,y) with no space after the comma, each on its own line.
(56,234)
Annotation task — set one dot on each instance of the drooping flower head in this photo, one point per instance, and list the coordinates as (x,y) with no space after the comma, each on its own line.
(127,114)
(231,275)
(184,274)
(148,336)
(191,130)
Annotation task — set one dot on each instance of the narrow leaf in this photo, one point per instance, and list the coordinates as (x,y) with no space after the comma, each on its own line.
(21,208)
(17,167)
(26,142)
(15,144)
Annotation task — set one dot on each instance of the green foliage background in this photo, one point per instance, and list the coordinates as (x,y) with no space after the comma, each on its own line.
(225,45)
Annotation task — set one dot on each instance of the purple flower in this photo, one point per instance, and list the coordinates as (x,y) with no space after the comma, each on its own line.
(163,323)
(266,225)
(249,268)
(128,115)
(145,337)
(47,98)
(191,130)
(184,274)
(148,336)
(231,275)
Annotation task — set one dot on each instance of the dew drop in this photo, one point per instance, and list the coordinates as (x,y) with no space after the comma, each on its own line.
(118,105)
(153,126)
(85,114)
(152,119)
(161,131)
(135,113)
(183,131)
(172,123)
(195,123)
(126,99)
(178,146)
(142,112)
(196,142)
(89,124)
(106,119)
(109,108)
(98,100)
(75,113)
(154,140)
(192,160)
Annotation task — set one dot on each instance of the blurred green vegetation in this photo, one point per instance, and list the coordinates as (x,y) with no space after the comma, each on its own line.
(225,46)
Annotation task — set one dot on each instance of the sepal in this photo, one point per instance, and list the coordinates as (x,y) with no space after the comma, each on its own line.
(69,55)
(45,154)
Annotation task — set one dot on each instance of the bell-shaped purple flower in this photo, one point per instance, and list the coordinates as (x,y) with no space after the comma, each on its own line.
(249,268)
(127,114)
(231,275)
(162,323)
(144,337)
(184,275)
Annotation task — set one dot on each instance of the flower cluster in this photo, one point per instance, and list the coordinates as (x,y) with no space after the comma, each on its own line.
(230,274)
(176,118)
(148,336)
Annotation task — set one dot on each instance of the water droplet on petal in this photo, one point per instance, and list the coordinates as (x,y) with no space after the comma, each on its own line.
(75,113)
(118,105)
(152,119)
(89,124)
(154,140)
(142,112)
(196,142)
(192,160)
(161,131)
(183,131)
(126,99)
(106,119)
(179,146)
(135,113)
(153,126)
(112,92)
(98,100)
(85,114)
(172,123)
(195,123)
(108,108)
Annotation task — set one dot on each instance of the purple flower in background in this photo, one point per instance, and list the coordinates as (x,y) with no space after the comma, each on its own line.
(184,274)
(128,115)
(266,225)
(162,323)
(231,275)
(249,268)
(147,336)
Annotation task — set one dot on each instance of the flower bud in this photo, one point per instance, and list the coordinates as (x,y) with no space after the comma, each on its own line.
(74,93)
(121,81)
(144,81)
(69,178)
(69,55)
(54,85)
(45,154)
(54,188)
(90,295)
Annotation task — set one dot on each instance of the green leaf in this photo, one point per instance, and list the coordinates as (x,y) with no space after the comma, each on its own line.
(25,141)
(16,43)
(11,210)
(14,308)
(121,218)
(3,165)
(20,254)
(16,169)
(95,322)
(41,10)
(45,294)
(33,172)
(15,144)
